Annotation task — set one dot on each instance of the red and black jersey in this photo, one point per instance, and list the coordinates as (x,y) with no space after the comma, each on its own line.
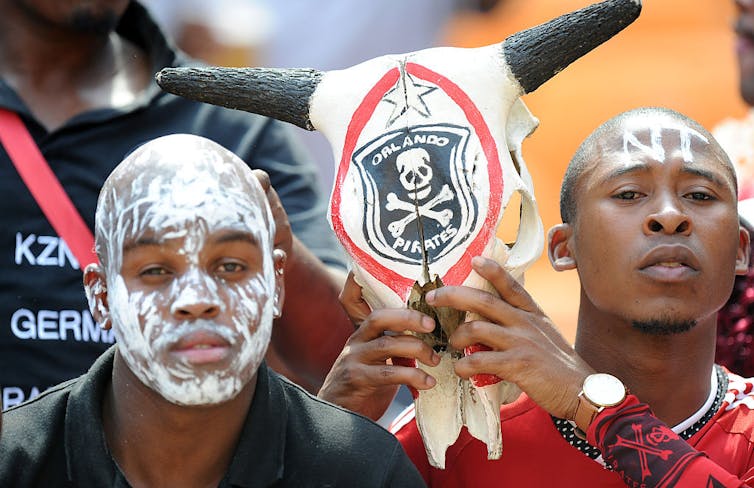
(638,448)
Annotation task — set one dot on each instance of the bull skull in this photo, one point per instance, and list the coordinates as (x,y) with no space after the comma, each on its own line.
(428,147)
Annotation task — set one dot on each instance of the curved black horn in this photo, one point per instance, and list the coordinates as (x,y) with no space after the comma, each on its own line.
(282,94)
(537,54)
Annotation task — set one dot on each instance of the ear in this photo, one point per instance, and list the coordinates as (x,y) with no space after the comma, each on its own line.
(742,256)
(559,247)
(95,286)
(278,257)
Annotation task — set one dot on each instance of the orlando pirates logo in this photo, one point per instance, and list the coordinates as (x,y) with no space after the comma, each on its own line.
(418,200)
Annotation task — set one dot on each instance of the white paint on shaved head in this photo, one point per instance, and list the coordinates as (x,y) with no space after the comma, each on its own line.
(656,148)
(626,128)
(184,189)
(187,175)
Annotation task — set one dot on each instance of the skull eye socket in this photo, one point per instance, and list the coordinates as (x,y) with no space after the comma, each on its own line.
(509,226)
(516,163)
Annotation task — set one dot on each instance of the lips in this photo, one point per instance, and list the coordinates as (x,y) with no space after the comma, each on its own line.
(669,263)
(201,347)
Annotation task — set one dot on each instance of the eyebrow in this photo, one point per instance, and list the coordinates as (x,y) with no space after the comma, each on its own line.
(617,173)
(643,168)
(704,174)
(141,242)
(237,236)
(226,237)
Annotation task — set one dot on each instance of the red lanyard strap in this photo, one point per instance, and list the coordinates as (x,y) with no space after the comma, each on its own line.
(45,188)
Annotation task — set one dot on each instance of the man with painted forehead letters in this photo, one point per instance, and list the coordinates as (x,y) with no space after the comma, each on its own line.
(190,282)
(648,205)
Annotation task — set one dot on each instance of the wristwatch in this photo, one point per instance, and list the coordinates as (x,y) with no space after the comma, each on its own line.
(599,390)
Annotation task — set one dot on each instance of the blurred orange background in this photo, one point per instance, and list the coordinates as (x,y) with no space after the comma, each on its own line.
(678,54)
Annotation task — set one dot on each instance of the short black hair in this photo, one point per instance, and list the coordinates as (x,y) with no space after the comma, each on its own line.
(587,152)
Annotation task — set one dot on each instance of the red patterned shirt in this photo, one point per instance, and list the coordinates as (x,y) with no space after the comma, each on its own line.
(641,450)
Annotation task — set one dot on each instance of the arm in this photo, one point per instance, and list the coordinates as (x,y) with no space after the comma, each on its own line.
(313,327)
(308,336)
(528,350)
(645,452)
(364,379)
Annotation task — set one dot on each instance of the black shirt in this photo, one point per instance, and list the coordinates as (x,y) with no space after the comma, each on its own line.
(46,332)
(289,439)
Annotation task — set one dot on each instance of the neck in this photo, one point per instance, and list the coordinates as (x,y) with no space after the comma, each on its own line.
(157,443)
(60,72)
(671,373)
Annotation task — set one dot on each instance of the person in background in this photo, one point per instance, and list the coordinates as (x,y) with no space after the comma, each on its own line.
(736,136)
(734,322)
(79,74)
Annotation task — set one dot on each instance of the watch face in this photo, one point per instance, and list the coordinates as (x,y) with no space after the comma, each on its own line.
(604,389)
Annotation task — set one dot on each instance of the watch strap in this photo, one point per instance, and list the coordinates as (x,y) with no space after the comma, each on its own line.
(586,411)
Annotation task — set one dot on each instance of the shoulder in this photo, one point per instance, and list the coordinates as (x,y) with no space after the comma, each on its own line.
(740,393)
(226,123)
(736,416)
(262,142)
(40,410)
(206,117)
(339,425)
(350,448)
(237,130)
(728,438)
(32,436)
(35,430)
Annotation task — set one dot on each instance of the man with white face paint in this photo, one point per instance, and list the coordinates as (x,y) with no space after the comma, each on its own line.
(169,315)
(648,205)
(190,282)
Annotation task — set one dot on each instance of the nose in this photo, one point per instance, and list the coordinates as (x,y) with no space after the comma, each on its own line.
(196,310)
(668,219)
(196,299)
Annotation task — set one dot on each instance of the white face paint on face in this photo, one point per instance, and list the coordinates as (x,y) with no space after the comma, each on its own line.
(191,285)
(656,147)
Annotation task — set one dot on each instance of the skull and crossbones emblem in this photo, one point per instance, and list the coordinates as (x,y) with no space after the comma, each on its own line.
(416,178)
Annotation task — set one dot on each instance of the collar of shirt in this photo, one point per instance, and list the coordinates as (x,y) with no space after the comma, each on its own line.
(257,462)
